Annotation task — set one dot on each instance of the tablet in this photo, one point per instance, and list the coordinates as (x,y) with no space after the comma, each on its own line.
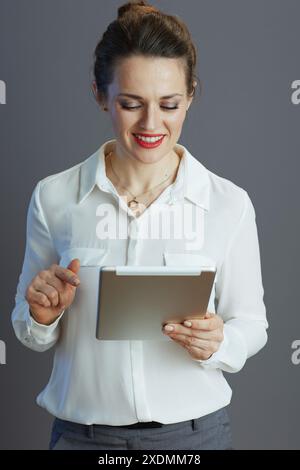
(134,302)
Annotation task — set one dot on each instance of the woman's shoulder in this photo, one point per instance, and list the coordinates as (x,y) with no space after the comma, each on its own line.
(228,194)
(62,186)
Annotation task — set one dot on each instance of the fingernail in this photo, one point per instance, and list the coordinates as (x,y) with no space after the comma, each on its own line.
(187,323)
(75,281)
(169,328)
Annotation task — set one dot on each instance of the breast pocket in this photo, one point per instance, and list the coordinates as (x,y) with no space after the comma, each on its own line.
(187,259)
(194,259)
(87,256)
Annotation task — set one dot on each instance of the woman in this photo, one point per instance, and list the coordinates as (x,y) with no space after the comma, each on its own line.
(141,394)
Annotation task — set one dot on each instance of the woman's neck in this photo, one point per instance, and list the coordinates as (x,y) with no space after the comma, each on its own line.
(139,177)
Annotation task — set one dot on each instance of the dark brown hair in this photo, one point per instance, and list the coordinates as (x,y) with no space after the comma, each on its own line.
(142,29)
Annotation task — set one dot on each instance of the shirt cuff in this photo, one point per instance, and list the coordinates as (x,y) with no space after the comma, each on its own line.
(39,331)
(218,355)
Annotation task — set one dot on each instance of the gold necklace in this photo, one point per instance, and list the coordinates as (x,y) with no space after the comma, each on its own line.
(133,202)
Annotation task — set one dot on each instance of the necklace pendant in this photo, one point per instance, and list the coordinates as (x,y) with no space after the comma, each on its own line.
(133,203)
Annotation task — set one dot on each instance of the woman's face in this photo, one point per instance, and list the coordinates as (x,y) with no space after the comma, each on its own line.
(151,111)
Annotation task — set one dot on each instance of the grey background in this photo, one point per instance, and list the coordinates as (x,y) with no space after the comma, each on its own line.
(244,127)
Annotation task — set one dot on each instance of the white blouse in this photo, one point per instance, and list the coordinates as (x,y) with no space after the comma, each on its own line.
(122,382)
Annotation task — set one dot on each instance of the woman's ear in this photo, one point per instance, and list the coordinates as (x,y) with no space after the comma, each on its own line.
(97,96)
(190,99)
(94,89)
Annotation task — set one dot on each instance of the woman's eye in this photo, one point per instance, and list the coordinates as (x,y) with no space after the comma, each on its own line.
(170,107)
(137,107)
(129,107)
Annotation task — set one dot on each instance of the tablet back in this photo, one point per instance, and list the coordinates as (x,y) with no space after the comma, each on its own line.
(135,301)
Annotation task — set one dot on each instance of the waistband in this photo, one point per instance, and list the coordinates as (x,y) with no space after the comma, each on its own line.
(90,429)
(61,423)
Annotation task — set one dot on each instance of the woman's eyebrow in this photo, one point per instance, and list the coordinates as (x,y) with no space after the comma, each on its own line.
(140,97)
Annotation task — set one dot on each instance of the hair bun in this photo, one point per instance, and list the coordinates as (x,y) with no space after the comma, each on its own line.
(135,6)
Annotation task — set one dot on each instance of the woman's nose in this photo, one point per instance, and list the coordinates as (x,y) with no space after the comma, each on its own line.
(150,119)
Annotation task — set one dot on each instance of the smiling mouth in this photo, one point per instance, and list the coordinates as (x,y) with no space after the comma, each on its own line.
(150,142)
(149,135)
(149,138)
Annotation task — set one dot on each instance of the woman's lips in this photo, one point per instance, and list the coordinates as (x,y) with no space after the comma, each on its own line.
(148,145)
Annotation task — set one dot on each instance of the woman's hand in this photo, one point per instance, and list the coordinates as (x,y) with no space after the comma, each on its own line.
(51,291)
(202,338)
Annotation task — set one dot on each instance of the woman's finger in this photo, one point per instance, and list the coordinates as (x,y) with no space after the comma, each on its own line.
(212,335)
(207,324)
(55,282)
(206,345)
(49,291)
(66,275)
(37,297)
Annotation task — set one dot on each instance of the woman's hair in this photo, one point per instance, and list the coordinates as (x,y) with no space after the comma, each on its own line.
(142,29)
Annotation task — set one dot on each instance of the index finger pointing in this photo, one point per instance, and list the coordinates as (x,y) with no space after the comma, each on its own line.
(67,275)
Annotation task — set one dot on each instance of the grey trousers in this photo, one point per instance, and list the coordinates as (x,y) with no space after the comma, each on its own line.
(208,432)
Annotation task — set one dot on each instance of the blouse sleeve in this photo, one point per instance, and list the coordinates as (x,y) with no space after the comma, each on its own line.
(39,254)
(239,296)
